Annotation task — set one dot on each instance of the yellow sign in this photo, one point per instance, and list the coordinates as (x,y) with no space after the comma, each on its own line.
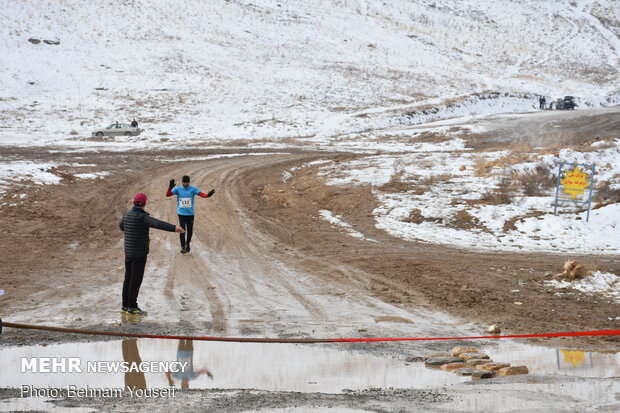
(575,182)
(574,357)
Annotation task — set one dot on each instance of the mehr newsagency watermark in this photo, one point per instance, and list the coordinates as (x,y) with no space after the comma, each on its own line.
(75,365)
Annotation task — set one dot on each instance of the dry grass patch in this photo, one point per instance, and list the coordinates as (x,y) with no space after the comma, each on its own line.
(550,151)
(537,182)
(464,220)
(396,184)
(511,224)
(521,148)
(426,164)
(432,180)
(605,195)
(484,167)
(602,143)
(431,137)
(415,217)
(415,184)
(497,196)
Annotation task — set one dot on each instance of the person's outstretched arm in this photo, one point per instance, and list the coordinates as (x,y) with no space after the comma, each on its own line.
(157,224)
(172,184)
(207,195)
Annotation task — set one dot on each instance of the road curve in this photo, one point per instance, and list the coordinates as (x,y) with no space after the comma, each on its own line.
(238,280)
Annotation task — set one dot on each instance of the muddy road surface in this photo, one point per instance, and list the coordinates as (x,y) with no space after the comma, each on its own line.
(263,264)
(548,128)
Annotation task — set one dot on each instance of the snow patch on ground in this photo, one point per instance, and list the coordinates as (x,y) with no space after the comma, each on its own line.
(18,172)
(94,175)
(441,199)
(603,283)
(222,156)
(337,221)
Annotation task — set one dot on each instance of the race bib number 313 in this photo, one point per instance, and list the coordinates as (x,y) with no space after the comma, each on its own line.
(185,202)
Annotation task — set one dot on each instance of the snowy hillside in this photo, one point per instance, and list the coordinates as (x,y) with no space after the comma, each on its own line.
(266,69)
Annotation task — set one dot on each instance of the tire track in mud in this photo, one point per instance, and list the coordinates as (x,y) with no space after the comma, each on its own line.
(218,229)
(255,284)
(228,264)
(312,291)
(188,275)
(237,240)
(191,265)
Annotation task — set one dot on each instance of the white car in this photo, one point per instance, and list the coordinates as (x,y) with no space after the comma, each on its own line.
(118,129)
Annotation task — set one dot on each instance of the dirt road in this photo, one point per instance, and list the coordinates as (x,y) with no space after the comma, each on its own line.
(263,264)
(548,128)
(246,274)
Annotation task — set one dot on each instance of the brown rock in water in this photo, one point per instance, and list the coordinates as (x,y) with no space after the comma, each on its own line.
(430,356)
(492,366)
(512,371)
(465,371)
(457,351)
(469,356)
(479,374)
(476,362)
(452,366)
(440,361)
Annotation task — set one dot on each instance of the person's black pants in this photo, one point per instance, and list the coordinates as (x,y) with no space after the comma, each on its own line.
(134,272)
(187,223)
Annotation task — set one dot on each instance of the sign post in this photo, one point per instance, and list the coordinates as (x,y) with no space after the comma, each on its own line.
(574,184)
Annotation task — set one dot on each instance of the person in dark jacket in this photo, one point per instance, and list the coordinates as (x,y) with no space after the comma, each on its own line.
(542,102)
(135,224)
(134,123)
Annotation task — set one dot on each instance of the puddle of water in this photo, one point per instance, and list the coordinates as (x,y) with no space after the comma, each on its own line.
(285,367)
(272,367)
(561,362)
(598,388)
(331,409)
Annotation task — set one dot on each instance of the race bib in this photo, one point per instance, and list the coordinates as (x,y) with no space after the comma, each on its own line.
(185,202)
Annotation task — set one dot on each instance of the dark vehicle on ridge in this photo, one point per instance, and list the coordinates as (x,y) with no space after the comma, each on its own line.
(568,103)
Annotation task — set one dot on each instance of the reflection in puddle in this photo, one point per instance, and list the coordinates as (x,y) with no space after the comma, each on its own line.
(277,367)
(561,362)
(134,379)
(185,354)
(272,367)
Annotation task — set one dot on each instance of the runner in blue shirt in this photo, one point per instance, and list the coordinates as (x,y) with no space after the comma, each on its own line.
(185,207)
